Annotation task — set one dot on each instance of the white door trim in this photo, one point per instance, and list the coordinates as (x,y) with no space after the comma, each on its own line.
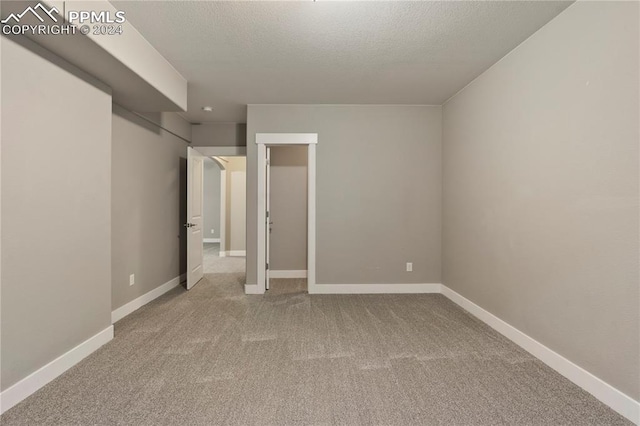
(223,211)
(262,140)
(222,151)
(267,233)
(286,138)
(311,216)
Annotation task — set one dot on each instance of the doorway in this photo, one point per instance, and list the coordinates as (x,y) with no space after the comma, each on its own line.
(265,141)
(287,206)
(224,215)
(216,193)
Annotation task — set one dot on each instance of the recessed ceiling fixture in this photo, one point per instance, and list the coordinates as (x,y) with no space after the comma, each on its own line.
(207,108)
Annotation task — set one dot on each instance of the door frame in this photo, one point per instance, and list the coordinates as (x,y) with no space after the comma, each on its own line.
(269,139)
(221,151)
(268,218)
(223,213)
(222,226)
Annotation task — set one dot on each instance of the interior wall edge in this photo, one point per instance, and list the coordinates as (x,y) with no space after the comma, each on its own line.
(119,109)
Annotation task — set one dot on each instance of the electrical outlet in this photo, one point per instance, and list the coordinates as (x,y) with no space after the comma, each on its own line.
(409,267)
(213,231)
(132,279)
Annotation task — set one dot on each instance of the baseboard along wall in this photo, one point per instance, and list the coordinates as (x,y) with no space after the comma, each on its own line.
(612,397)
(30,384)
(252,289)
(36,380)
(607,394)
(376,288)
(139,302)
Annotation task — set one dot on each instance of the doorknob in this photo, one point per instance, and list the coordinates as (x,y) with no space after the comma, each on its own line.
(189,225)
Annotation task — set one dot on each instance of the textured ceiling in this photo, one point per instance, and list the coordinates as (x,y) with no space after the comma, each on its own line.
(239,53)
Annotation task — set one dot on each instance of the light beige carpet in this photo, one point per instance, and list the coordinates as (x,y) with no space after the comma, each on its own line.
(215,356)
(214,264)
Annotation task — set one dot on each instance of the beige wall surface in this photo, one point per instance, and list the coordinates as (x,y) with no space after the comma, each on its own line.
(378,189)
(236,203)
(170,121)
(288,241)
(219,134)
(541,190)
(148,206)
(56,220)
(211,199)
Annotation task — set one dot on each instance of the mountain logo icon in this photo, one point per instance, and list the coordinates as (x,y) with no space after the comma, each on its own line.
(48,12)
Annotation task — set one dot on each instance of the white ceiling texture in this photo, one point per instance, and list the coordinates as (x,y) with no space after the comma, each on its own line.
(325,52)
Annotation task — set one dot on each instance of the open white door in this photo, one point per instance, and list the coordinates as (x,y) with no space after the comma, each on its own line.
(268,216)
(195,254)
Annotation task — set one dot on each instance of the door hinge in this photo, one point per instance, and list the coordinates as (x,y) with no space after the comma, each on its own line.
(267,266)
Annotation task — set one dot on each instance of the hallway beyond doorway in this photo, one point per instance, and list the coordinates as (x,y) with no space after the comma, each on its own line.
(214,264)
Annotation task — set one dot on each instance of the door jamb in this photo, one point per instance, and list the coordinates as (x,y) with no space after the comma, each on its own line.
(310,140)
(222,226)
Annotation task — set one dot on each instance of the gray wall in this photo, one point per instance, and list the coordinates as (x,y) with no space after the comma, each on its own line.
(541,190)
(378,189)
(149,198)
(56,220)
(288,241)
(211,199)
(219,134)
(170,121)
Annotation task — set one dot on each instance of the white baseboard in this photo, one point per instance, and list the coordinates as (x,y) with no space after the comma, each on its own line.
(222,254)
(282,273)
(374,288)
(252,289)
(238,253)
(139,302)
(603,391)
(211,240)
(36,380)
